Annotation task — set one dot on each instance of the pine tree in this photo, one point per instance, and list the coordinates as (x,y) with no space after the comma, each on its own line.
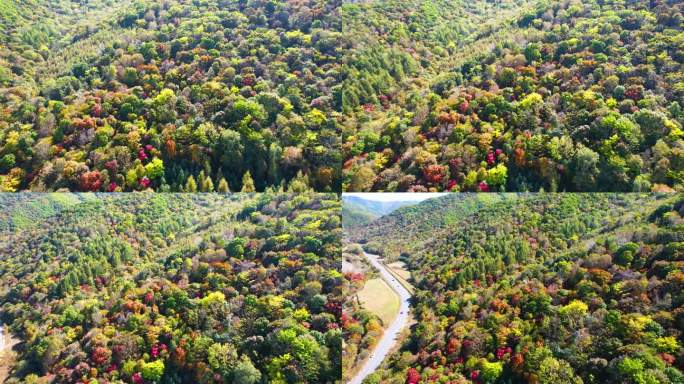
(299,184)
(247,183)
(191,185)
(223,186)
(274,155)
(208,185)
(201,179)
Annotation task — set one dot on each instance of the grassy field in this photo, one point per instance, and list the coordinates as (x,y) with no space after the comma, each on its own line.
(377,297)
(400,269)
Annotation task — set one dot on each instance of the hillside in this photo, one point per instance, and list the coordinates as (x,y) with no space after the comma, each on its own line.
(408,228)
(43,38)
(357,211)
(518,96)
(548,288)
(20,211)
(353,215)
(177,95)
(174,288)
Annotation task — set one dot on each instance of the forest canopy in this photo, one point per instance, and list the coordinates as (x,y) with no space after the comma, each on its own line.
(332,95)
(119,95)
(172,288)
(513,96)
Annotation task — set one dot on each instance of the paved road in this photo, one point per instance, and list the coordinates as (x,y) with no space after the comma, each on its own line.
(388,339)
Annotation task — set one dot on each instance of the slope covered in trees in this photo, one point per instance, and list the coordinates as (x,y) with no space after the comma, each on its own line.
(358,211)
(40,37)
(564,95)
(549,288)
(355,214)
(174,95)
(146,288)
(419,223)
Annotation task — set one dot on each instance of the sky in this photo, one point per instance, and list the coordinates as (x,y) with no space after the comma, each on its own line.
(395,196)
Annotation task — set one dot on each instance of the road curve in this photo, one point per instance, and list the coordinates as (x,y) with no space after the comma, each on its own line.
(391,333)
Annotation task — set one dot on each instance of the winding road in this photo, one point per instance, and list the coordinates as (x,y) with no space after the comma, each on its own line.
(391,333)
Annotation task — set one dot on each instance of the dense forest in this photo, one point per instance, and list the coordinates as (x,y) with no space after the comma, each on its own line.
(514,95)
(330,95)
(174,95)
(172,288)
(420,222)
(545,288)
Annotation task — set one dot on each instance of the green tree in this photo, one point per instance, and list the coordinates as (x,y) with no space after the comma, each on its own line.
(533,53)
(153,371)
(222,358)
(223,186)
(245,372)
(154,169)
(247,183)
(191,185)
(585,169)
(625,254)
(552,371)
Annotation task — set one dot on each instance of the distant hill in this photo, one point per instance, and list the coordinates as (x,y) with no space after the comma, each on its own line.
(409,226)
(23,210)
(359,211)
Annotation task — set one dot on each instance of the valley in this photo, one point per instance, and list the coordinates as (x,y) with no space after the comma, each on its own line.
(542,288)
